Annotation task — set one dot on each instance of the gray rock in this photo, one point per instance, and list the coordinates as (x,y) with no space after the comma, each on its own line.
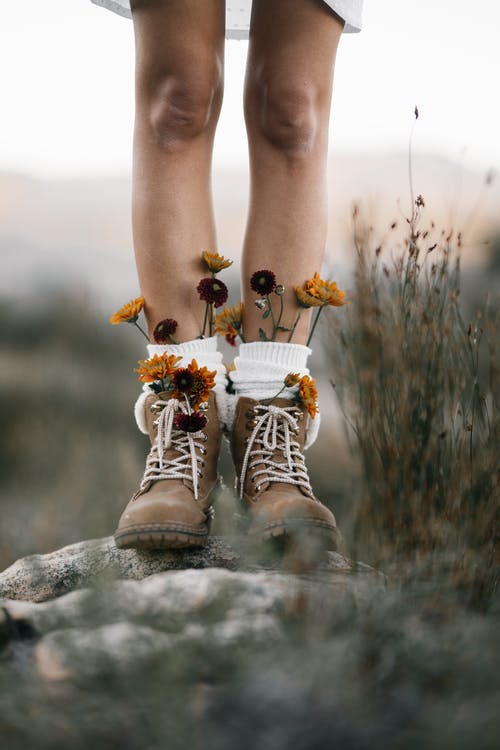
(41,577)
(122,607)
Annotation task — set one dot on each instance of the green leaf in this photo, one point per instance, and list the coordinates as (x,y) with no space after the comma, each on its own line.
(267,313)
(263,335)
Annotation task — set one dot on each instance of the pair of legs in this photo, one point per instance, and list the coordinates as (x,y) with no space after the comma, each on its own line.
(179,92)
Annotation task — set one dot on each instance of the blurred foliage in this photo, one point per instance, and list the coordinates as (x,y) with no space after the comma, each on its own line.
(70,451)
(419,387)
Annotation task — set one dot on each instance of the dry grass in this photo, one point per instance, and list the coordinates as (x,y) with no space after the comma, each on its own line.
(420,391)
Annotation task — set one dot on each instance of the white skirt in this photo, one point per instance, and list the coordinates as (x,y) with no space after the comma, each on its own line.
(238,14)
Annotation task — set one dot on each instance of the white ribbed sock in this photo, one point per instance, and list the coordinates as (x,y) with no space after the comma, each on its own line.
(261,367)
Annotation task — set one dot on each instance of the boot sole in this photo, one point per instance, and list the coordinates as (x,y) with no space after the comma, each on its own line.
(321,535)
(157,538)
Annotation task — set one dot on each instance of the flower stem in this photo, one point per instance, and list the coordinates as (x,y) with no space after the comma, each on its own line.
(205,321)
(279,319)
(241,337)
(314,324)
(268,400)
(294,325)
(143,332)
(211,320)
(270,308)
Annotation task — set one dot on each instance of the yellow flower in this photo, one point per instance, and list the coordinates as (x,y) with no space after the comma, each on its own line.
(308,395)
(305,299)
(292,379)
(194,382)
(129,312)
(158,367)
(317,292)
(215,262)
(203,382)
(228,322)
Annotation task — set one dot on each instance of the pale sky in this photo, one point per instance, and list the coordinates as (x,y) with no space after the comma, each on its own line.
(67,72)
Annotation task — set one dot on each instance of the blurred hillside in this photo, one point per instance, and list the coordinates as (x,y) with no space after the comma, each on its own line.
(78,231)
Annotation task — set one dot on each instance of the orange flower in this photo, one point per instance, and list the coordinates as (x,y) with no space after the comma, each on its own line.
(308,395)
(129,312)
(228,322)
(292,379)
(215,262)
(317,292)
(203,380)
(305,298)
(158,367)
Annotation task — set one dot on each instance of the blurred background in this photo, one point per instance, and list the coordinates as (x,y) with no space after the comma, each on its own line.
(70,452)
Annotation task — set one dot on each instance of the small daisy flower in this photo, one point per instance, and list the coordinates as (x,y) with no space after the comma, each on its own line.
(164,331)
(183,380)
(193,422)
(212,291)
(228,322)
(317,292)
(308,395)
(128,313)
(292,379)
(194,382)
(263,282)
(159,367)
(215,262)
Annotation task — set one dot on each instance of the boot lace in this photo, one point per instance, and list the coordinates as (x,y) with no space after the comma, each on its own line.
(187,464)
(273,433)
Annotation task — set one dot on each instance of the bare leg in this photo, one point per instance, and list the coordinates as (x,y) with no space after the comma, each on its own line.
(179,90)
(288,87)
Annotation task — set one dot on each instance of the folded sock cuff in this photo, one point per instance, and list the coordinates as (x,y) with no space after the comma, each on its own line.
(186,348)
(291,356)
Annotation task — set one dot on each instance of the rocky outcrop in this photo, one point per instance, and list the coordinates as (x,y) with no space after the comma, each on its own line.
(91,604)
(40,577)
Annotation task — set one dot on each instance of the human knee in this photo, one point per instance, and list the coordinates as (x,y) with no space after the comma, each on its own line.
(286,114)
(184,106)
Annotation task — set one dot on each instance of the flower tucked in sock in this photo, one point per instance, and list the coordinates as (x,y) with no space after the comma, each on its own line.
(204,351)
(260,371)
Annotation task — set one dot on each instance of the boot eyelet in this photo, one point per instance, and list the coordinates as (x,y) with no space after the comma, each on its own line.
(204,451)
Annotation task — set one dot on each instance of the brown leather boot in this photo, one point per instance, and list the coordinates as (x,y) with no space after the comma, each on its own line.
(271,477)
(172,508)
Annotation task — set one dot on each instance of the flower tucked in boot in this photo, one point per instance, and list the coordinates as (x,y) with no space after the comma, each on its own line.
(267,444)
(172,508)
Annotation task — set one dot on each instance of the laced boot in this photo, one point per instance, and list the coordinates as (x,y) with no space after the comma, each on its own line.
(172,508)
(277,500)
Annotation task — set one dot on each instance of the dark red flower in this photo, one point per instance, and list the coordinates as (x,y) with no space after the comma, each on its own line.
(164,331)
(213,291)
(263,282)
(183,380)
(193,422)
